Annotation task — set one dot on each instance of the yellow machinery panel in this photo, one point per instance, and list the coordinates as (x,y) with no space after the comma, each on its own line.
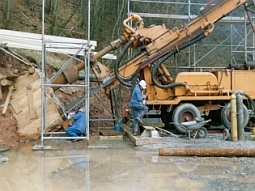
(224,79)
(196,81)
(244,80)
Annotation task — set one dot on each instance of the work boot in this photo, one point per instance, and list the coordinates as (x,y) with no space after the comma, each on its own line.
(139,120)
(76,140)
(135,133)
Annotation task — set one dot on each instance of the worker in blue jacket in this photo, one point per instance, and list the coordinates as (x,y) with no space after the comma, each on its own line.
(79,125)
(137,105)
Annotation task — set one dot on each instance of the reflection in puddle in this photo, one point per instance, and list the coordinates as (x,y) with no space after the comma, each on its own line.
(121,167)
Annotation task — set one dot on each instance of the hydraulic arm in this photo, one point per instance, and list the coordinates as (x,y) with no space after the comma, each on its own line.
(184,97)
(157,43)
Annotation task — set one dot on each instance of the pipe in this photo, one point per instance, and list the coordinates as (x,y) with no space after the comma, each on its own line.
(208,152)
(166,72)
(112,46)
(63,79)
(250,65)
(132,17)
(92,77)
(236,66)
(73,71)
(233,118)
(240,117)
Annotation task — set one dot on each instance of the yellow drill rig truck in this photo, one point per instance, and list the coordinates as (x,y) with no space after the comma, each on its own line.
(187,95)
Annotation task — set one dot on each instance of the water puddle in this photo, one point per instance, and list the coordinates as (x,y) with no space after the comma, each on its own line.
(117,165)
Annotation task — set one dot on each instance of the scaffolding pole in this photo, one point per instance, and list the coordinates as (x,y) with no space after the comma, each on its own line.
(45,83)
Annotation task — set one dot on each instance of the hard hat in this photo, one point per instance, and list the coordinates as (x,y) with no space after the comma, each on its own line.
(142,83)
(81,109)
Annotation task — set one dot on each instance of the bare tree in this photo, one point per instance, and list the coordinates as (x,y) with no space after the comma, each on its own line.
(48,6)
(7,11)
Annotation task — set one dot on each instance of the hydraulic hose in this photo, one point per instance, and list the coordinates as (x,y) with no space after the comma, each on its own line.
(116,67)
(157,66)
(250,100)
(161,60)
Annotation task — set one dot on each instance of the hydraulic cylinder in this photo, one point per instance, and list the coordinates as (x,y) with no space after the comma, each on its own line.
(240,117)
(234,135)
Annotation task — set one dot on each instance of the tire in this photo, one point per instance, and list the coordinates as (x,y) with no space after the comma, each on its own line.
(166,119)
(201,133)
(184,113)
(226,116)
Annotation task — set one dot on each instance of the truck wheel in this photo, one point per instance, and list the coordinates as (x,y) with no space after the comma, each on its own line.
(184,113)
(226,116)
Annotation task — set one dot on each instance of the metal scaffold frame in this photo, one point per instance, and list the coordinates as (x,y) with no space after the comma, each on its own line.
(86,47)
(242,47)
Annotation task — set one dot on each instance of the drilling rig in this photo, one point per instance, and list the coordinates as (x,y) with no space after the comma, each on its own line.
(187,95)
(179,98)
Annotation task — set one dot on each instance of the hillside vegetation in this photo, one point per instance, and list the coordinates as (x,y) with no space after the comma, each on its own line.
(70,18)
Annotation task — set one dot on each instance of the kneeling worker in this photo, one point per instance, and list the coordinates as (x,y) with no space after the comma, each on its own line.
(79,125)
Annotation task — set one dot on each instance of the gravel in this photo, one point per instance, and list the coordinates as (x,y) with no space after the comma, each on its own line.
(226,174)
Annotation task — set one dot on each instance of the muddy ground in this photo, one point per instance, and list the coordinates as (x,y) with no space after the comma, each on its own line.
(118,165)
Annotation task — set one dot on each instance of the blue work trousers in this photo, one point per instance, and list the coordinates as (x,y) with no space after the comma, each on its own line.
(73,132)
(137,112)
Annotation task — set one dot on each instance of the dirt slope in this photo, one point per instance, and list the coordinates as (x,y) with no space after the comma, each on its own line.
(8,124)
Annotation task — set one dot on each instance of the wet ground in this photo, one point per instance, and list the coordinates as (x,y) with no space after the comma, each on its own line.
(116,165)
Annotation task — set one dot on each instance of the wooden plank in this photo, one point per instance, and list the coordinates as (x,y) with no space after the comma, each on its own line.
(15,106)
(1,94)
(145,123)
(168,132)
(26,126)
(148,127)
(115,137)
(30,98)
(7,99)
(137,140)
